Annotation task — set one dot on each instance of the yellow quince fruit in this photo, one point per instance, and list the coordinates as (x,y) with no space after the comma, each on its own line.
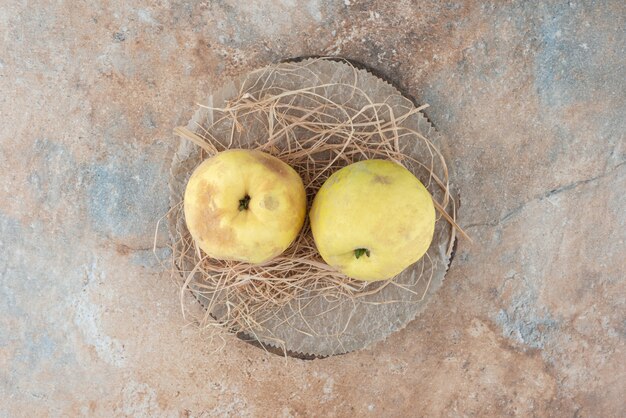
(372,219)
(244,205)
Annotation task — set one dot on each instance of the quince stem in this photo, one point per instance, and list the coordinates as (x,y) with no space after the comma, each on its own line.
(360,251)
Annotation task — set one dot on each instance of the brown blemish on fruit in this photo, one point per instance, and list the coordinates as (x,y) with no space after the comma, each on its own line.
(272,163)
(207,220)
(381,179)
(270,203)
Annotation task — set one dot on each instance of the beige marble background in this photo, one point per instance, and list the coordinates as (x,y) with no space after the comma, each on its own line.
(531,320)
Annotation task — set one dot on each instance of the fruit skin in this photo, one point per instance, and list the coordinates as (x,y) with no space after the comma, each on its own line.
(272,220)
(373,205)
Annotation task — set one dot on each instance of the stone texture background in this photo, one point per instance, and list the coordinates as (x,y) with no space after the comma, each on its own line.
(531,320)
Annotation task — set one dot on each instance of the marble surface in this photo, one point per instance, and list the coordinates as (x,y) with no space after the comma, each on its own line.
(531,319)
